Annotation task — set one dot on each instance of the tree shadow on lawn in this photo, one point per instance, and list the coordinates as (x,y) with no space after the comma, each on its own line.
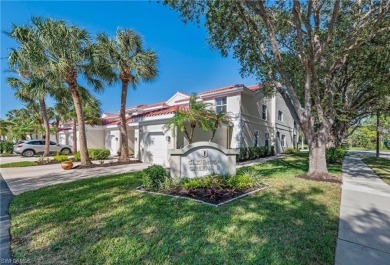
(104,221)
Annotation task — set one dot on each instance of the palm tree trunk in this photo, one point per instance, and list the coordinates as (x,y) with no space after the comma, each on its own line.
(46,124)
(74,136)
(73,87)
(123,127)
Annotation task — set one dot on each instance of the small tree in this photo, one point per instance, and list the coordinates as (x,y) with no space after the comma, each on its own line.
(217,119)
(197,115)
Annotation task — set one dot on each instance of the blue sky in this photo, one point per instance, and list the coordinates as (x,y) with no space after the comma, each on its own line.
(186,62)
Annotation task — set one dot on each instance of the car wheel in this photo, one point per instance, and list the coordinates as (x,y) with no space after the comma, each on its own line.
(28,153)
(65,151)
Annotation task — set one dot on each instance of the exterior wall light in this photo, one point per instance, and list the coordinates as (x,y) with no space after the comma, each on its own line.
(168,138)
(135,139)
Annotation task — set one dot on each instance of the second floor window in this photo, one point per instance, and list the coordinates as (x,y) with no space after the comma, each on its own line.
(264,112)
(220,105)
(280,115)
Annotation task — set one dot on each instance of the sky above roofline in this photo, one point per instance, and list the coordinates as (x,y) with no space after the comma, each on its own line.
(186,62)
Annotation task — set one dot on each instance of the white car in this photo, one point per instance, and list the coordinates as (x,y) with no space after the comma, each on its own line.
(32,147)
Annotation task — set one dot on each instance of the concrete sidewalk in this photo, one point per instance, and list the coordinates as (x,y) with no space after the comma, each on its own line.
(364,228)
(5,199)
(24,179)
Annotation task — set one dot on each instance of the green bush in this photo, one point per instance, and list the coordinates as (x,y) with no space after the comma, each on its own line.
(77,157)
(61,158)
(98,154)
(335,155)
(241,182)
(291,151)
(250,153)
(156,177)
(6,147)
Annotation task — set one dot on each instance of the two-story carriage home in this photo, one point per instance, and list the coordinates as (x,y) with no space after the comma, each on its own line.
(257,121)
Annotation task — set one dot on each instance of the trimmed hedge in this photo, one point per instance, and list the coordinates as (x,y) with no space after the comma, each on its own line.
(6,147)
(250,153)
(98,154)
(94,154)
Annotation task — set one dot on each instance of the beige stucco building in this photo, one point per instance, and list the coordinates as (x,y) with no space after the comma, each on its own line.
(257,121)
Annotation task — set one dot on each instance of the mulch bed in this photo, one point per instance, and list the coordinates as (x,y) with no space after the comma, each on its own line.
(110,164)
(210,195)
(321,178)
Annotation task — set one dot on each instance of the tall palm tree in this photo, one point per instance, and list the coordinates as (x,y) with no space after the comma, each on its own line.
(69,55)
(5,128)
(35,82)
(132,64)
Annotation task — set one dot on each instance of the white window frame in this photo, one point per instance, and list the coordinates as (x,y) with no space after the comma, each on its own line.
(223,105)
(266,112)
(280,116)
(283,140)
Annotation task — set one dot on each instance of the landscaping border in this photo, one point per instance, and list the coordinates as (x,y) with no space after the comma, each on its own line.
(207,203)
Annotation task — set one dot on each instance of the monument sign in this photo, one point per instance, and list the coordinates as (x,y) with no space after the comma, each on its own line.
(202,159)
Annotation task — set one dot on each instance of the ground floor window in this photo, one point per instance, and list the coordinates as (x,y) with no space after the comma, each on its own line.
(266,141)
(283,140)
(256,141)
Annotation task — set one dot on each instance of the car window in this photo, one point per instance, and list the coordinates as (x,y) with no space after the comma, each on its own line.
(35,142)
(53,143)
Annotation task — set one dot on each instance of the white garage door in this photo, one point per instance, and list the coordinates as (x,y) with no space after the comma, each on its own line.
(155,148)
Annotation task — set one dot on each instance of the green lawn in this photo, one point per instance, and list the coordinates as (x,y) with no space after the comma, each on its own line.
(381,167)
(19,164)
(105,221)
(382,149)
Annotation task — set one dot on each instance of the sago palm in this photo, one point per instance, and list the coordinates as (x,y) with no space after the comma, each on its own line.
(132,64)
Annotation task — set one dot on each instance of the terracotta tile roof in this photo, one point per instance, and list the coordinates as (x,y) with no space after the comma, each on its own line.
(222,89)
(143,106)
(226,88)
(256,87)
(162,111)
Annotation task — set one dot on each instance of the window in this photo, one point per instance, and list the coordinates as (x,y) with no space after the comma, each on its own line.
(266,142)
(264,112)
(36,143)
(220,105)
(256,144)
(283,140)
(295,144)
(280,115)
(53,143)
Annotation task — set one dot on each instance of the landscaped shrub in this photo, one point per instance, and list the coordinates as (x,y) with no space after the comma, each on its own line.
(61,158)
(241,182)
(250,153)
(156,177)
(335,155)
(291,151)
(6,147)
(77,157)
(98,154)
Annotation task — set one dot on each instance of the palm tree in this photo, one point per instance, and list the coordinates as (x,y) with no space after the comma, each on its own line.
(132,64)
(217,119)
(69,55)
(28,92)
(5,128)
(35,82)
(198,114)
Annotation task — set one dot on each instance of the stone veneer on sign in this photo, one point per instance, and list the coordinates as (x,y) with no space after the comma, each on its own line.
(202,159)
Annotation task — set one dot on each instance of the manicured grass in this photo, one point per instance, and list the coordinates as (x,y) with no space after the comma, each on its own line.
(105,221)
(19,164)
(383,149)
(381,167)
